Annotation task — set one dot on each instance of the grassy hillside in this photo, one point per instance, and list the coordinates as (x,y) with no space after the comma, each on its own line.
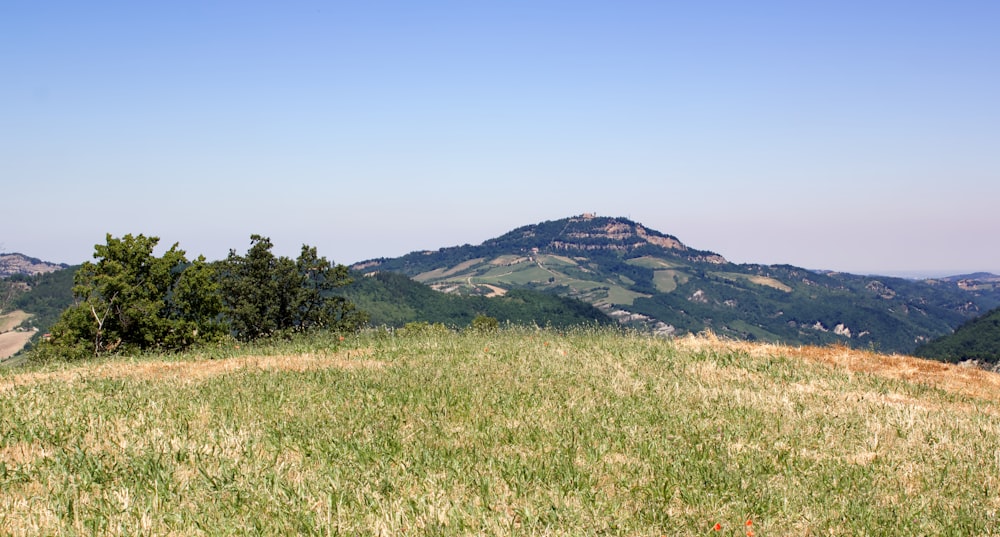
(524,432)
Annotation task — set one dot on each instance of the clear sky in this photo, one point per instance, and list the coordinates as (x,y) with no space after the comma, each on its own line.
(861,136)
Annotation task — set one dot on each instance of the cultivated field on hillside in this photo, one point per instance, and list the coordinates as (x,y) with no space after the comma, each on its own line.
(520,432)
(9,321)
(12,341)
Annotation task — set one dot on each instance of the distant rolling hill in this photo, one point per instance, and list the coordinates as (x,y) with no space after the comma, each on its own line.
(32,292)
(643,277)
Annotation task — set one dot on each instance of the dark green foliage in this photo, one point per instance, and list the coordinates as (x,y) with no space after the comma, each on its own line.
(810,313)
(130,300)
(250,286)
(978,339)
(8,292)
(265,295)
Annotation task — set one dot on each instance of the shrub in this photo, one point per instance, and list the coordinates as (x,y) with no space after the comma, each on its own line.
(484,324)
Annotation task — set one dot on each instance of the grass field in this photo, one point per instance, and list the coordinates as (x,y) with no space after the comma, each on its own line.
(522,432)
(666,281)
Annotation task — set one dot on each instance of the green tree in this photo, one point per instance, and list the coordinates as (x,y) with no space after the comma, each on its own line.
(131,300)
(196,302)
(265,295)
(250,291)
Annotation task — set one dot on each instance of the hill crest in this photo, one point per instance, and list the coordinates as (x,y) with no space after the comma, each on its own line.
(588,232)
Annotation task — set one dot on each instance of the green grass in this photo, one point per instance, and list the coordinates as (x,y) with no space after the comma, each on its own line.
(522,432)
(666,281)
(759,333)
(556,261)
(652,262)
(621,296)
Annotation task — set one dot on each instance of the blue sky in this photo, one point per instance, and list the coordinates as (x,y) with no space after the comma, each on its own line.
(853,136)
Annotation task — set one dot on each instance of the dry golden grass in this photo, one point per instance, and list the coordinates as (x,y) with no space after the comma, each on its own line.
(965,380)
(770,282)
(12,342)
(185,371)
(494,290)
(9,321)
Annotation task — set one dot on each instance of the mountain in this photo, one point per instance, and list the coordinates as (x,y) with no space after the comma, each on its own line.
(978,339)
(11,264)
(641,276)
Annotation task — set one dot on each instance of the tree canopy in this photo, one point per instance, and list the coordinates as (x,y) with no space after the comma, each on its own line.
(131,300)
(264,294)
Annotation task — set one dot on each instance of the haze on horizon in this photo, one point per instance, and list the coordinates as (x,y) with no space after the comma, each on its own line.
(852,136)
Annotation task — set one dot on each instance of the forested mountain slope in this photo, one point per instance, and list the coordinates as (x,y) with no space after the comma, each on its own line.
(978,339)
(645,277)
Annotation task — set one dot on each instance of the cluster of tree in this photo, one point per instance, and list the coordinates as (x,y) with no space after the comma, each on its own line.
(130,300)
